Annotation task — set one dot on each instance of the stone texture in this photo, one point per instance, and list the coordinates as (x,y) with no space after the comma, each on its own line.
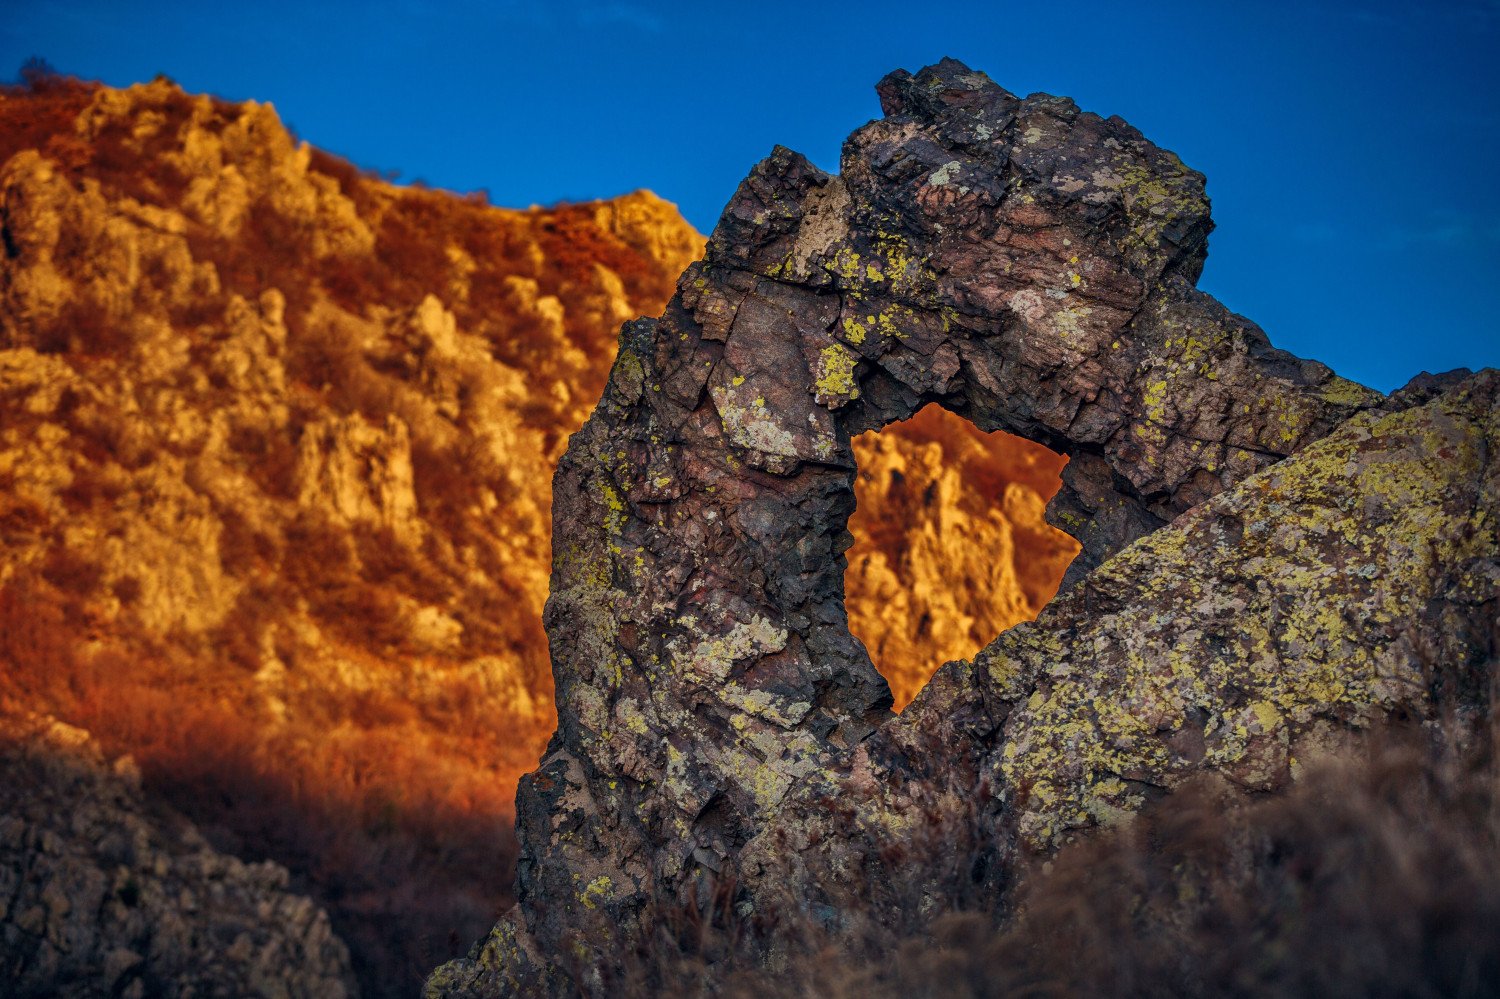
(1029,267)
(103,895)
(1356,581)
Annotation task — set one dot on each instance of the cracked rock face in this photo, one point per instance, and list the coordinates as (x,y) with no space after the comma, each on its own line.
(1029,267)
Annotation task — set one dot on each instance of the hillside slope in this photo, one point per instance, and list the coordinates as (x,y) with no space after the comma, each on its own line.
(273,481)
(276,447)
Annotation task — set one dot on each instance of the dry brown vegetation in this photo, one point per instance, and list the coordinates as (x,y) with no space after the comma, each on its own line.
(276,441)
(1378,874)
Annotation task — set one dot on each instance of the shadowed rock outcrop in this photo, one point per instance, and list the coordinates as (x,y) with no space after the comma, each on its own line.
(1030,267)
(103,895)
(1350,583)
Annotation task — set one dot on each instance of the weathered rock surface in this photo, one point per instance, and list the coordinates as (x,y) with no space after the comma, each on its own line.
(1030,267)
(101,895)
(1356,581)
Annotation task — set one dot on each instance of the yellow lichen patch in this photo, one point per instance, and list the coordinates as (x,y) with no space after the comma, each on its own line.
(1070,318)
(630,715)
(596,891)
(714,656)
(1292,425)
(1152,198)
(1155,398)
(1343,392)
(904,272)
(1266,715)
(846,264)
(782,711)
(750,426)
(765,784)
(614,517)
(888,321)
(767,763)
(835,374)
(629,373)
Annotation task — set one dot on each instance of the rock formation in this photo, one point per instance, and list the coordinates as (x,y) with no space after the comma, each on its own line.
(102,895)
(1272,556)
(276,446)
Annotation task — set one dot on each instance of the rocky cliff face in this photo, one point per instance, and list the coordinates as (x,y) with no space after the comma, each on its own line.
(275,440)
(1272,557)
(950,545)
(276,446)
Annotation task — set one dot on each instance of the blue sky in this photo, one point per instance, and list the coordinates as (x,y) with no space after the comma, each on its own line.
(1351,147)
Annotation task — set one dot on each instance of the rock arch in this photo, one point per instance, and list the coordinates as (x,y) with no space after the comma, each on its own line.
(1023,264)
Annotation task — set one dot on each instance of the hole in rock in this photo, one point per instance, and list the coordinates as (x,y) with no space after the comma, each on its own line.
(950,544)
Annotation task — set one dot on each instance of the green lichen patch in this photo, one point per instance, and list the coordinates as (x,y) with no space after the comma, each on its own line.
(1278,604)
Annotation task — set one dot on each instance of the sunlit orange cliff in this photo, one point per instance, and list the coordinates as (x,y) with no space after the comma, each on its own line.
(276,445)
